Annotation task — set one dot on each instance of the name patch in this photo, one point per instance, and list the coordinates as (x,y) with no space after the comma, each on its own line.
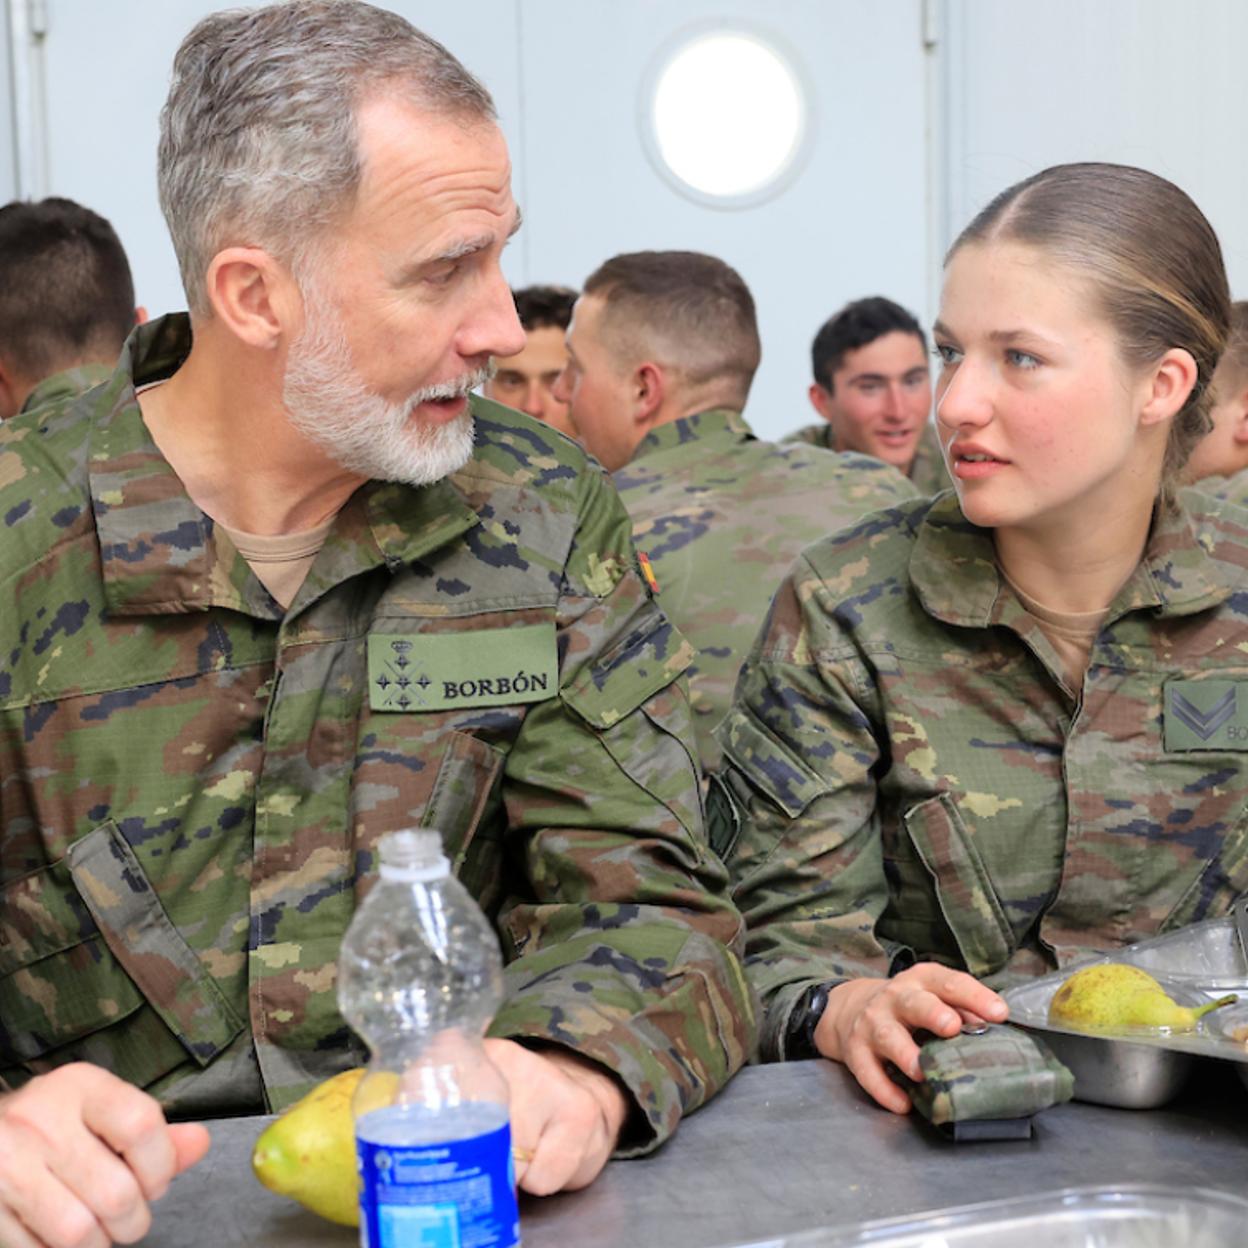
(444,671)
(1206,714)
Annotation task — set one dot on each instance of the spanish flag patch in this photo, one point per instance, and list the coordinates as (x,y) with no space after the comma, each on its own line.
(647,570)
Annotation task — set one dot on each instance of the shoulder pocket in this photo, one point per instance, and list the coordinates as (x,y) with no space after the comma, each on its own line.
(769,765)
(92,968)
(967,898)
(634,699)
(648,659)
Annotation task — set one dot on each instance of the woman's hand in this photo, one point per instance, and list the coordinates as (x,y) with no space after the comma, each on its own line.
(868,1022)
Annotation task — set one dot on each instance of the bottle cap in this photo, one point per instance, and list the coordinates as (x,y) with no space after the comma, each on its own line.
(413,856)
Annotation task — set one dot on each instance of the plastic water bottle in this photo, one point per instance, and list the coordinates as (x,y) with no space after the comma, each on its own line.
(419,978)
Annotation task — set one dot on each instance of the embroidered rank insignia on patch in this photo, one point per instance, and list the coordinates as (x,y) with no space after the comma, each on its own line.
(1205,714)
(647,570)
(413,672)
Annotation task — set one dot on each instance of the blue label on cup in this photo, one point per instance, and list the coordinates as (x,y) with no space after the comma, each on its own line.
(416,1194)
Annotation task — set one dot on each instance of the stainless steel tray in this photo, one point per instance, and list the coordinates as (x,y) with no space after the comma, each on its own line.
(1142,1068)
(1141,1215)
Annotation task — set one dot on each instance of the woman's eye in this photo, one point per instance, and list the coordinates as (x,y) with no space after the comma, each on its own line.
(946,354)
(1021,359)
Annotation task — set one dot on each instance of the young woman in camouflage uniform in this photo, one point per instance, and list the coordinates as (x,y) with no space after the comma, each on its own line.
(982,734)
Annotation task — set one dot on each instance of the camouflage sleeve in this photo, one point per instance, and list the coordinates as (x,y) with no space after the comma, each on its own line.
(794,809)
(627,948)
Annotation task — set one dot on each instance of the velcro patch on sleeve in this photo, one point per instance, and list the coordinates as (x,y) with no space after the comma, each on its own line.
(1205,715)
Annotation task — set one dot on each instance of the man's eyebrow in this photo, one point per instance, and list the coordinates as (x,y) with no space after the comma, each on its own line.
(867,377)
(467,247)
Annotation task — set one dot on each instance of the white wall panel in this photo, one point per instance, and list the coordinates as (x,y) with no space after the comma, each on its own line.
(8,153)
(1155,83)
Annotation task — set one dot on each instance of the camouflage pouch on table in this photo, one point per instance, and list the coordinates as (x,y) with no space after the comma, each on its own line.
(998,1076)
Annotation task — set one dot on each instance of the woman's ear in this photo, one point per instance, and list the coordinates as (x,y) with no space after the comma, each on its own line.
(1169,385)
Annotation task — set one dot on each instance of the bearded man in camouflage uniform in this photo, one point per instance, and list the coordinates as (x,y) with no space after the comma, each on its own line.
(271,598)
(662,349)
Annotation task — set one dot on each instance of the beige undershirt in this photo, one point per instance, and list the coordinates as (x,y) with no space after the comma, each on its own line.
(281,561)
(1071,633)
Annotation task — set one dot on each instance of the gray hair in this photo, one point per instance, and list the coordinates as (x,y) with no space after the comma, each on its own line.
(258,143)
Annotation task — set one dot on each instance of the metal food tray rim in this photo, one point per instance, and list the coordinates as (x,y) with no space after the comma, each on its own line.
(980,1214)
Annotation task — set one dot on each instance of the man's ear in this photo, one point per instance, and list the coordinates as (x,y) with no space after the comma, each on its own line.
(1171,382)
(820,400)
(253,296)
(1239,420)
(650,388)
(140,315)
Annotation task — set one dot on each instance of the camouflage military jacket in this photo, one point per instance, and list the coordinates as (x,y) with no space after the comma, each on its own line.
(722,516)
(1232,489)
(927,472)
(66,385)
(908,778)
(192,783)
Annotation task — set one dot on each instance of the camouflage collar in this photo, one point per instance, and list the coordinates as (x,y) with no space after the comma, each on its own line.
(953,568)
(715,423)
(67,385)
(161,553)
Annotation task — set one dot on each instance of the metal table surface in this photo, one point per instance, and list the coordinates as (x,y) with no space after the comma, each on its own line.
(783,1149)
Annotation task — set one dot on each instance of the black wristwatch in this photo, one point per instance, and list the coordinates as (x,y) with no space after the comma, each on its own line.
(799,1036)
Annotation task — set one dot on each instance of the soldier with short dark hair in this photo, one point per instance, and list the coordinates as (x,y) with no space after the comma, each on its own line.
(66,301)
(526,380)
(985,734)
(283,585)
(663,346)
(872,388)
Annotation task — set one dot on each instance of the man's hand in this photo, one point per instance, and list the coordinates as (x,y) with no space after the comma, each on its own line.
(81,1155)
(868,1022)
(566,1115)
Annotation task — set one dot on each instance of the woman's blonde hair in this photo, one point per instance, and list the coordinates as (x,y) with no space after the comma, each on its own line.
(1151,257)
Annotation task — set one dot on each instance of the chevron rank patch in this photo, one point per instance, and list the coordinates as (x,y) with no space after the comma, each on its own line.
(1206,714)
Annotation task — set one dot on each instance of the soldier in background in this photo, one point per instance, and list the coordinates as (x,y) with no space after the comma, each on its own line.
(282,586)
(662,349)
(66,302)
(984,734)
(873,389)
(526,380)
(1219,463)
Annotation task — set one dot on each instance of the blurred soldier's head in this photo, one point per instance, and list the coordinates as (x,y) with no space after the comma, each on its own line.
(525,380)
(338,193)
(871,380)
(66,295)
(656,335)
(1223,451)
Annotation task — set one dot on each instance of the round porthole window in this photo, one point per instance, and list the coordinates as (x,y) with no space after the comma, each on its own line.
(726,118)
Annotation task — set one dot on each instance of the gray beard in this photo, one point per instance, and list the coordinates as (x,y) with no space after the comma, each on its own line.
(328,403)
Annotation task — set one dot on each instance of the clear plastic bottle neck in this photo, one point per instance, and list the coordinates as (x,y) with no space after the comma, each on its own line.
(411,857)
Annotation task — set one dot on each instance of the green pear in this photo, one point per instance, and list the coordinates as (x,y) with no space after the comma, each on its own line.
(1113,996)
(308,1154)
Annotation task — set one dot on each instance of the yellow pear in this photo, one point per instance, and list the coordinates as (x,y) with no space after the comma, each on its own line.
(308,1154)
(1113,996)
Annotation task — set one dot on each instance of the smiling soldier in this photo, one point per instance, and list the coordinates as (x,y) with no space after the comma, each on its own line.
(282,586)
